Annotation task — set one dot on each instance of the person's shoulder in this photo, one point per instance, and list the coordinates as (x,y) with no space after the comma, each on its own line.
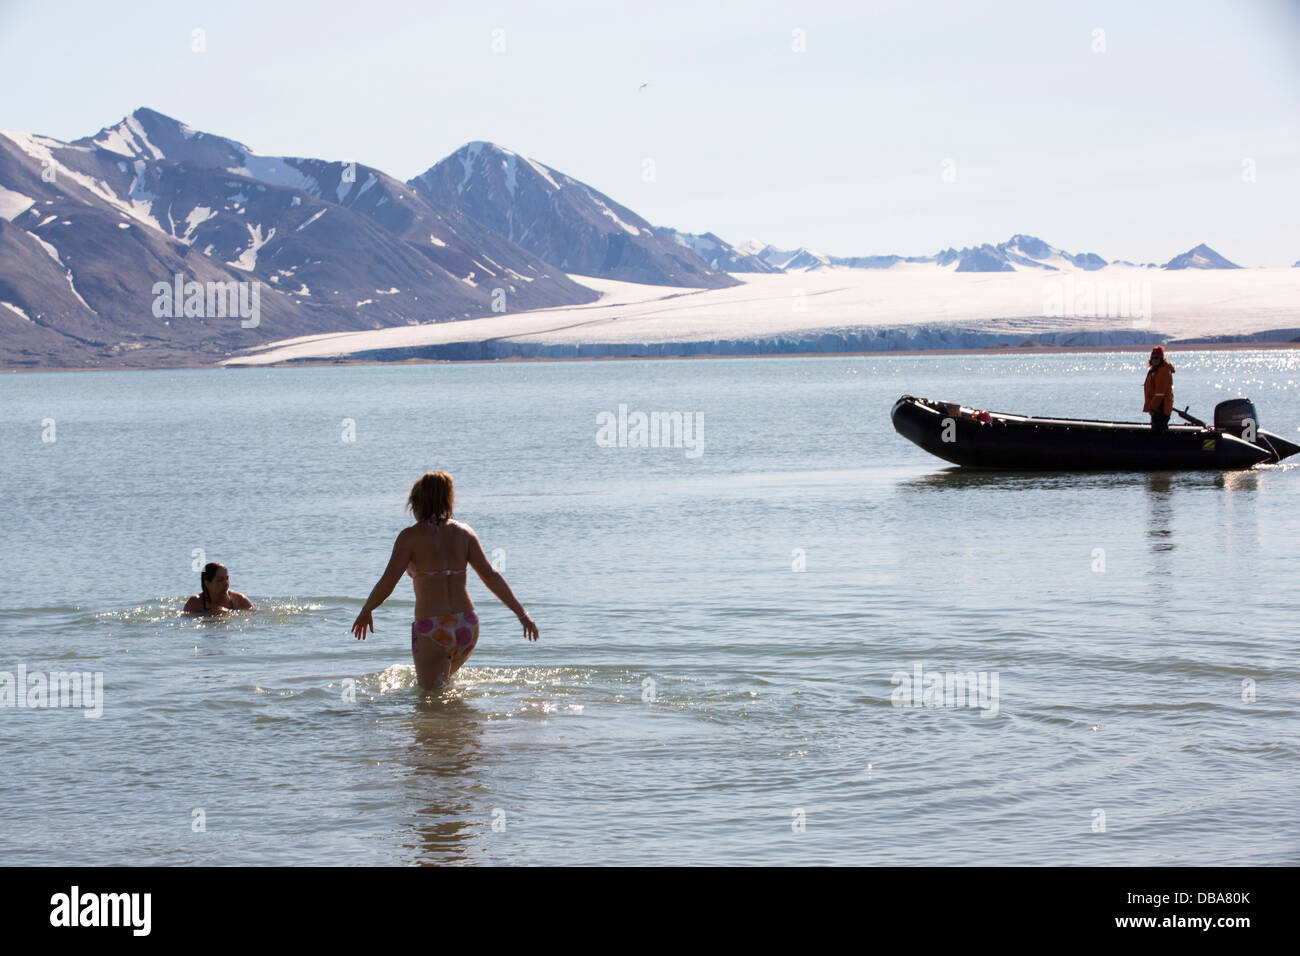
(194,603)
(462,526)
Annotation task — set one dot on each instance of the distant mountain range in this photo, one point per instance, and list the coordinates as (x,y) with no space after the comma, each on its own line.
(91,230)
(1028,252)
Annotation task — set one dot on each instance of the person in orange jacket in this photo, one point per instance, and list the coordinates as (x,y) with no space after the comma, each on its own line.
(1159,389)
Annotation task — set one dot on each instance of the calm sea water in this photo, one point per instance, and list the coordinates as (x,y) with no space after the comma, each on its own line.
(724,635)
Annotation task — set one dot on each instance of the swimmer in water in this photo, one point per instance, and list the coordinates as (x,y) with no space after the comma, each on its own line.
(215,596)
(434,552)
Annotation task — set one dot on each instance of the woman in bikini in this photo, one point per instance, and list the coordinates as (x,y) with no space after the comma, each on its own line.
(214,594)
(435,551)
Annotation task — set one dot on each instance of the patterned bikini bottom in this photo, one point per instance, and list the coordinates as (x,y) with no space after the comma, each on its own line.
(455,633)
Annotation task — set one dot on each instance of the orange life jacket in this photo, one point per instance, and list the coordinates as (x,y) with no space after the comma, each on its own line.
(1160,381)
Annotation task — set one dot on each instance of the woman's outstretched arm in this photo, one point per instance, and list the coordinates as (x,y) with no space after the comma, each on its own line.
(384,586)
(497,585)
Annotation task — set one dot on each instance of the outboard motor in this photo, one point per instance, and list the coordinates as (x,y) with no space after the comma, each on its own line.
(1231,416)
(1237,416)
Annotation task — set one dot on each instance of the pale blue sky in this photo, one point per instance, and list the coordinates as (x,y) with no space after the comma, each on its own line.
(1136,152)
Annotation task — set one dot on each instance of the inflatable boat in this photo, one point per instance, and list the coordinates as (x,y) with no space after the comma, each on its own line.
(969,436)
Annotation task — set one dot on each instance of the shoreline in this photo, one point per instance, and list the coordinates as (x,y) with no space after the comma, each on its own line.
(1173,349)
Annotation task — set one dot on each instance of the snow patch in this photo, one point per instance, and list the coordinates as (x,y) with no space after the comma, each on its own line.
(142,138)
(49,249)
(312,219)
(14,204)
(369,183)
(140,198)
(541,171)
(248,258)
(128,138)
(40,148)
(467,164)
(277,172)
(344,188)
(21,313)
(73,287)
(605,210)
(511,182)
(198,215)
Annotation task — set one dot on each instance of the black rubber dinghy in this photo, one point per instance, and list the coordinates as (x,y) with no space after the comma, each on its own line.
(967,436)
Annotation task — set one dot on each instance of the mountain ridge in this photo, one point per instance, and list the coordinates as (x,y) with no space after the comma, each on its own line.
(561,220)
(89,227)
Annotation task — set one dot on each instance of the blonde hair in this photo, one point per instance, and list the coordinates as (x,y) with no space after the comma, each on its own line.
(432,497)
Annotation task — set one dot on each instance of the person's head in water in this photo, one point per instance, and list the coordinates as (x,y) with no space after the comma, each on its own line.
(432,497)
(214,582)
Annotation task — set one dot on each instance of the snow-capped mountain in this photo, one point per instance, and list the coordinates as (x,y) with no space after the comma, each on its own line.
(983,258)
(719,255)
(1018,252)
(1032,251)
(91,227)
(806,259)
(783,260)
(451,240)
(560,220)
(1200,257)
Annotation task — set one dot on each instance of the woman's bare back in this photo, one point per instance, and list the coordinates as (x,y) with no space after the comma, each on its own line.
(435,549)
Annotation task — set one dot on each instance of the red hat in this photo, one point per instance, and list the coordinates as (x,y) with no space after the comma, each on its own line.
(1158,350)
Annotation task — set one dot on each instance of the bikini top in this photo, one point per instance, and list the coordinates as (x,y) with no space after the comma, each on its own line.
(411,570)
